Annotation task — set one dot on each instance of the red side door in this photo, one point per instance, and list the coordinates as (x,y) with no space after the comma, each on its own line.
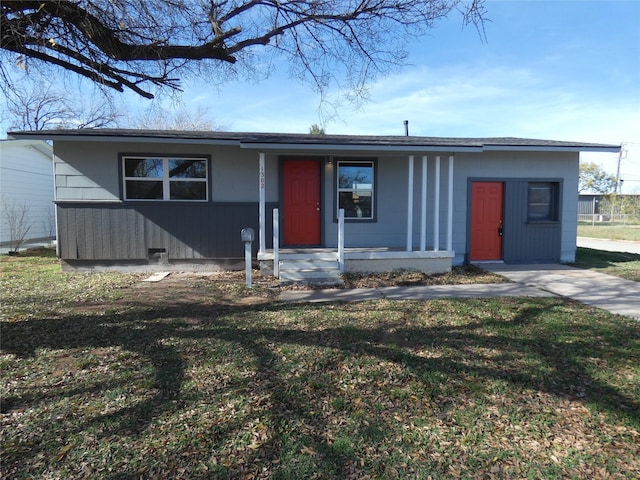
(486,220)
(301,205)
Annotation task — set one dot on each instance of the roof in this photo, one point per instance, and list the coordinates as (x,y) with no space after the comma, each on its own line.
(272,141)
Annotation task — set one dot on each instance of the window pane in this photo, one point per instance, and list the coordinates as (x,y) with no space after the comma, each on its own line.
(356,205)
(187,168)
(356,176)
(540,194)
(143,167)
(188,190)
(542,201)
(137,189)
(539,211)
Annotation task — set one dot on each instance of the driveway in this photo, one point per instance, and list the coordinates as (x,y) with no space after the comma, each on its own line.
(609,245)
(614,294)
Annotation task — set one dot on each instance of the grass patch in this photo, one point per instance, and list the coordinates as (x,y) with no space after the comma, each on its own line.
(33,286)
(198,378)
(620,264)
(612,232)
(467,274)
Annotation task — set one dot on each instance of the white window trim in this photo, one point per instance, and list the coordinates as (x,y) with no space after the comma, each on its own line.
(165,179)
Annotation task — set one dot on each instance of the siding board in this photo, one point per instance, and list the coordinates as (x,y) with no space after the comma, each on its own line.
(524,241)
(104,231)
(63,223)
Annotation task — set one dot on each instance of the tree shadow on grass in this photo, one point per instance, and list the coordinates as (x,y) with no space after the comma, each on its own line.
(591,258)
(156,335)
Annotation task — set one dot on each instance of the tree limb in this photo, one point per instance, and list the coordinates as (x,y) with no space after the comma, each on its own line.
(129,44)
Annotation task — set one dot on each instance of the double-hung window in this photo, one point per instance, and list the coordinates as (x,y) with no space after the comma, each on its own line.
(355,188)
(543,202)
(165,178)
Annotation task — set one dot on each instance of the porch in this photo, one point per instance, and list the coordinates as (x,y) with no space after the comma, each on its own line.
(321,264)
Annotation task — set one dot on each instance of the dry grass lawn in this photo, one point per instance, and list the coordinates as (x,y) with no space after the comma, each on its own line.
(198,377)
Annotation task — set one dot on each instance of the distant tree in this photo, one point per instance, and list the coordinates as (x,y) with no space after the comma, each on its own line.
(316,129)
(38,105)
(176,118)
(594,179)
(18,221)
(140,45)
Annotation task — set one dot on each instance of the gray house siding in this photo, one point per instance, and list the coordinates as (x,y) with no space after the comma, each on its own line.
(97,225)
(526,242)
(134,231)
(522,242)
(91,170)
(390,227)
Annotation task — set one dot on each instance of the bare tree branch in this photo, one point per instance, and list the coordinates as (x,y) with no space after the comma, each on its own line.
(138,44)
(177,117)
(38,105)
(18,218)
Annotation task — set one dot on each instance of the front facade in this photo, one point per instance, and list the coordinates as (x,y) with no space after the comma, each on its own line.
(150,200)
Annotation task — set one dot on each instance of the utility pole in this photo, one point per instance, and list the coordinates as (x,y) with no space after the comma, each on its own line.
(620,157)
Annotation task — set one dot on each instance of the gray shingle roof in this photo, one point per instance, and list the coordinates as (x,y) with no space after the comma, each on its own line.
(305,141)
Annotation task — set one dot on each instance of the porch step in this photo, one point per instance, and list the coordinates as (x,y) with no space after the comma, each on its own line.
(310,270)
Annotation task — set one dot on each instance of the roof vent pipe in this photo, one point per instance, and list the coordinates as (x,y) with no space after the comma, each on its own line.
(406,128)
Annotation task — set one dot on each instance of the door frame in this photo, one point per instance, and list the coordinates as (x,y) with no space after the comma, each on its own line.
(321,160)
(470,182)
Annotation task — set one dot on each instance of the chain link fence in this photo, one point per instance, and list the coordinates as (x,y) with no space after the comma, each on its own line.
(609,209)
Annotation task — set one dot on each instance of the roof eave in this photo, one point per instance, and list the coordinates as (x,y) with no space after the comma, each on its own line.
(124,139)
(319,147)
(552,148)
(36,143)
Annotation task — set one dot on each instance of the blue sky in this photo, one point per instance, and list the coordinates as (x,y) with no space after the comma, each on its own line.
(562,70)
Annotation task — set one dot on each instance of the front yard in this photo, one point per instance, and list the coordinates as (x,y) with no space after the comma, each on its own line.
(197,377)
(621,264)
(629,233)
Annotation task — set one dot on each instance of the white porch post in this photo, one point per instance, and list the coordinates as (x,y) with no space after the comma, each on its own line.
(423,219)
(341,240)
(262,233)
(276,243)
(436,208)
(450,207)
(410,206)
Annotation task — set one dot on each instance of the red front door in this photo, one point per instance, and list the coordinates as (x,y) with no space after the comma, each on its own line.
(301,191)
(486,220)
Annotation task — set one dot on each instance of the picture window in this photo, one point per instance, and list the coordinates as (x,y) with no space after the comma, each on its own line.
(165,178)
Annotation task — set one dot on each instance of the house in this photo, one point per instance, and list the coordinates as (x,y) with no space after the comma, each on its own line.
(175,200)
(26,193)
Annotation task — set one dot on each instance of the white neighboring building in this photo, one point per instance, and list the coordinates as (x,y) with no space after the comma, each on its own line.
(26,179)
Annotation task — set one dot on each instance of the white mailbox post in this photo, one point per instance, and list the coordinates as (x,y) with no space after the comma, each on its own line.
(247,235)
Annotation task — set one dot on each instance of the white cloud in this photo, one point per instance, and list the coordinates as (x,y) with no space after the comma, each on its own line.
(495,101)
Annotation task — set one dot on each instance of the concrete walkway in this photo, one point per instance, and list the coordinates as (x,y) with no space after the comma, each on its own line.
(597,289)
(413,293)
